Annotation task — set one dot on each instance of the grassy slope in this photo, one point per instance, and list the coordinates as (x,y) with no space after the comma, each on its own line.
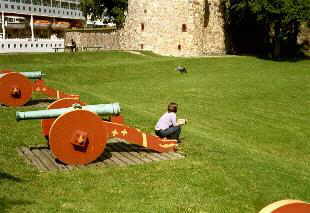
(247,142)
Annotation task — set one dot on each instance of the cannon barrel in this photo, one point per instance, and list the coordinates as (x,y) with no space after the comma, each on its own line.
(100,109)
(30,75)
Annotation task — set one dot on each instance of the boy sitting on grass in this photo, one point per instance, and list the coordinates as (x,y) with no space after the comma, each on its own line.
(168,126)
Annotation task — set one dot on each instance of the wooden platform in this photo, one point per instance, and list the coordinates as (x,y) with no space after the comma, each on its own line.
(115,154)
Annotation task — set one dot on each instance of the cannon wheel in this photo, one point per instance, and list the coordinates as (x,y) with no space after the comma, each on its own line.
(287,206)
(61,103)
(68,128)
(15,80)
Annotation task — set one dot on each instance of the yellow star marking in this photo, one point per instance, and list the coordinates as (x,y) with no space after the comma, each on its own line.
(114,132)
(124,132)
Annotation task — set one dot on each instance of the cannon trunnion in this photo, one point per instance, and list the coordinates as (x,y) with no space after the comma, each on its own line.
(78,135)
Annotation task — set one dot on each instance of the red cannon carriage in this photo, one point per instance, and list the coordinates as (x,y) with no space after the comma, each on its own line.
(77,135)
(16,88)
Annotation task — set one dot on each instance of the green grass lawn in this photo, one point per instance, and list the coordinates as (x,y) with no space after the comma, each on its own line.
(247,141)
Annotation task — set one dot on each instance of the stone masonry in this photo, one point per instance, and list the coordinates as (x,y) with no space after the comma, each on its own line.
(166,27)
(174,27)
(108,40)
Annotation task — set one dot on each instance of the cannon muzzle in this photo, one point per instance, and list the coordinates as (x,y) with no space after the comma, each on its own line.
(100,109)
(30,75)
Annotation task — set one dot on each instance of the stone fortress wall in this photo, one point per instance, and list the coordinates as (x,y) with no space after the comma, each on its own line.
(107,40)
(166,27)
(174,27)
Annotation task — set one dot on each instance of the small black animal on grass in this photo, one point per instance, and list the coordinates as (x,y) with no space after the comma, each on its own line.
(180,69)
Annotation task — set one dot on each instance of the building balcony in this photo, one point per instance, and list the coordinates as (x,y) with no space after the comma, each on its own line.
(17,7)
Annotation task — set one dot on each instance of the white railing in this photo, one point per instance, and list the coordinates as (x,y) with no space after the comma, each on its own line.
(27,45)
(40,10)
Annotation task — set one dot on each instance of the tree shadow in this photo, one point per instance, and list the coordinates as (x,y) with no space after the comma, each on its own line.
(6,204)
(40,101)
(297,58)
(7,176)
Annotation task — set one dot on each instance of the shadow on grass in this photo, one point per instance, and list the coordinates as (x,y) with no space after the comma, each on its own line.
(6,204)
(291,59)
(303,57)
(7,176)
(40,101)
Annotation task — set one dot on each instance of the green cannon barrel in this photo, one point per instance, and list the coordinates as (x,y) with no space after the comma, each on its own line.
(30,75)
(100,109)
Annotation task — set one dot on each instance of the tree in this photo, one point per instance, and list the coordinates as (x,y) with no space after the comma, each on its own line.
(87,7)
(280,18)
(115,9)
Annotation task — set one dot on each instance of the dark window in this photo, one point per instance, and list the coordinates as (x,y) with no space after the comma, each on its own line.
(142,46)
(20,45)
(12,6)
(39,9)
(8,45)
(6,6)
(34,9)
(26,45)
(142,26)
(145,11)
(184,28)
(14,45)
(24,8)
(29,8)
(18,7)
(179,47)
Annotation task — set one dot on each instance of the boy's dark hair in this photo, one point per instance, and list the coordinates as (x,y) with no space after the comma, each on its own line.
(172,107)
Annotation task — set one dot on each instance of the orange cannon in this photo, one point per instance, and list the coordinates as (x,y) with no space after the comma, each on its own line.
(16,88)
(77,135)
(287,206)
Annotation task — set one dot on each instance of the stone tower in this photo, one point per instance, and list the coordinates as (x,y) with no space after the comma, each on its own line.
(175,27)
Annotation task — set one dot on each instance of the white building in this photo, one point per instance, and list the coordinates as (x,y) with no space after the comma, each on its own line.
(37,25)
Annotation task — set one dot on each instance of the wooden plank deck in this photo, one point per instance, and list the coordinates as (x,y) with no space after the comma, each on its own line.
(115,154)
